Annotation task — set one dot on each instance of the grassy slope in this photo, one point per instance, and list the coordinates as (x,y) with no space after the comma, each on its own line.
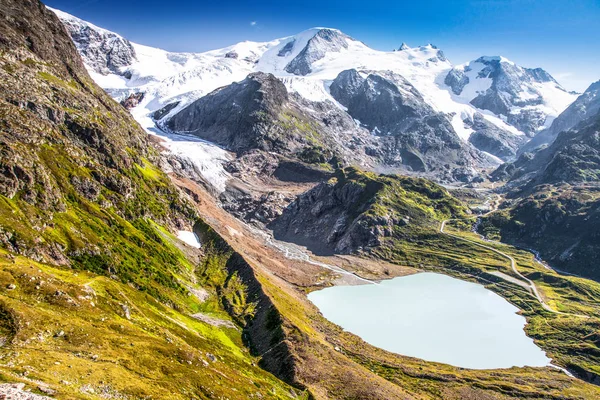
(96,295)
(332,363)
(570,341)
(567,215)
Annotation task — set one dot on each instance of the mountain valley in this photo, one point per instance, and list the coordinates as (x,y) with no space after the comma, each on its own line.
(166,217)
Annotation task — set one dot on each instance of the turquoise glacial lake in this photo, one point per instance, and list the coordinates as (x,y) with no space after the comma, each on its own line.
(436,318)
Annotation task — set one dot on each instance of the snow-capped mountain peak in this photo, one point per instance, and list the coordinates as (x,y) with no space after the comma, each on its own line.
(403,47)
(296,54)
(490,103)
(526,98)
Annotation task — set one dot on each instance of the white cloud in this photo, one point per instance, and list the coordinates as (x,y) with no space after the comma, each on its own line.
(253,23)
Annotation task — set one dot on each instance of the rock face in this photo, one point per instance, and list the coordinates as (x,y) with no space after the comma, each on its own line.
(397,129)
(65,143)
(104,51)
(457,80)
(390,107)
(324,41)
(237,115)
(132,100)
(359,211)
(259,113)
(16,391)
(506,89)
(574,157)
(492,139)
(581,109)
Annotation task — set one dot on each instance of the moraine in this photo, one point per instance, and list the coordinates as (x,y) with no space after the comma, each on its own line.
(436,318)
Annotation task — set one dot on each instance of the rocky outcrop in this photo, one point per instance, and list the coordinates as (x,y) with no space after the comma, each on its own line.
(514,92)
(457,80)
(132,100)
(237,116)
(16,391)
(359,211)
(414,135)
(104,51)
(327,219)
(164,111)
(574,157)
(492,139)
(258,113)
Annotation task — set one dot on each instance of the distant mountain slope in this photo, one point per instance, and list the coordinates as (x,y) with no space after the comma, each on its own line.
(528,99)
(581,109)
(308,62)
(555,200)
(391,108)
(573,158)
(397,127)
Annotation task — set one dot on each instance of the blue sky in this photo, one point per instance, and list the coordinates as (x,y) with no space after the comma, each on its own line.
(561,36)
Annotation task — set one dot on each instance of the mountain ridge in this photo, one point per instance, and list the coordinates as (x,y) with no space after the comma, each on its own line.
(307,63)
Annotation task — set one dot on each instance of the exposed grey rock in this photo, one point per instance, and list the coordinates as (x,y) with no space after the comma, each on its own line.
(492,139)
(441,56)
(163,112)
(46,390)
(132,100)
(287,49)
(15,391)
(527,121)
(259,114)
(321,220)
(126,313)
(104,51)
(504,97)
(457,80)
(540,75)
(574,157)
(256,208)
(324,41)
(236,116)
(413,134)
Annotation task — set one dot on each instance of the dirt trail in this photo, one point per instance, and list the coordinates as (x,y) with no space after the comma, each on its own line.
(525,282)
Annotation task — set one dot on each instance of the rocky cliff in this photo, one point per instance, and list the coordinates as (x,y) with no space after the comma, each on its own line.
(413,134)
(356,211)
(525,97)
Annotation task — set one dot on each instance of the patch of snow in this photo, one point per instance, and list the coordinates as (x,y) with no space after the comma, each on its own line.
(189,238)
(477,85)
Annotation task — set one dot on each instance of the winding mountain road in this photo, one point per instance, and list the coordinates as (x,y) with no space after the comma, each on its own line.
(526,282)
